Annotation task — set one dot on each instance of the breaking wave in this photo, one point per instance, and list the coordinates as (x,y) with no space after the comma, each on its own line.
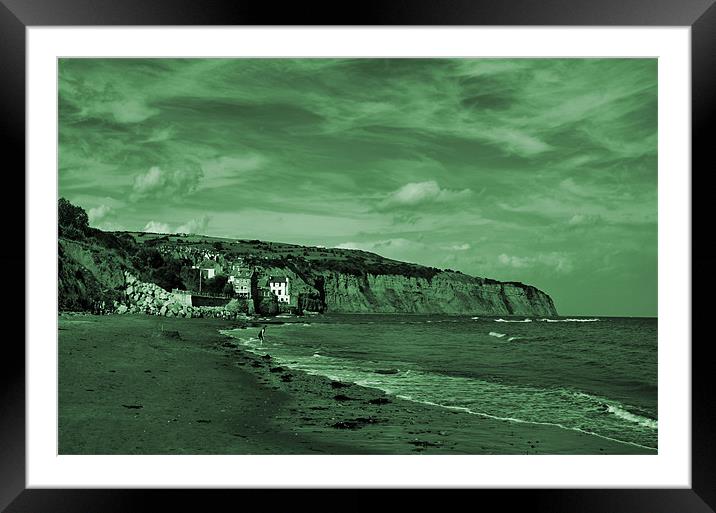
(632,417)
(569,320)
(565,407)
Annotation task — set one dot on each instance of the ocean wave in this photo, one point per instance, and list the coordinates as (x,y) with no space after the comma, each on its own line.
(474,318)
(505,320)
(564,408)
(534,422)
(632,417)
(618,410)
(510,339)
(569,320)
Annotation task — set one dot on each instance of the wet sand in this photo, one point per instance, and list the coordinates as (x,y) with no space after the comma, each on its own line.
(134,384)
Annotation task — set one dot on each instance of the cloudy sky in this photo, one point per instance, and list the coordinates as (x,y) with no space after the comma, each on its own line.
(536,170)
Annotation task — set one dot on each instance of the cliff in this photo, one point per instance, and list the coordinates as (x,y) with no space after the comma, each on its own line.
(398,287)
(87,275)
(447,292)
(93,266)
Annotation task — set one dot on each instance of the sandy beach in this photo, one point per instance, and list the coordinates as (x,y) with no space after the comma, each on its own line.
(134,384)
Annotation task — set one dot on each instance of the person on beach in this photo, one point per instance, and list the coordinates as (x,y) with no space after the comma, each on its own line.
(261,334)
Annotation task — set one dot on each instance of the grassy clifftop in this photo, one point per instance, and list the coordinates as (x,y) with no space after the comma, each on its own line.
(279,254)
(91,263)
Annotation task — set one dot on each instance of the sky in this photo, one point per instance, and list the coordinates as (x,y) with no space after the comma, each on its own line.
(542,171)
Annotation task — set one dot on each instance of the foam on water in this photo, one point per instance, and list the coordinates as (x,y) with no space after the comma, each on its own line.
(510,320)
(631,417)
(569,320)
(560,407)
(502,335)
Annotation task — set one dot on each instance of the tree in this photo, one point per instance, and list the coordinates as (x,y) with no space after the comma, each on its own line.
(190,277)
(268,305)
(167,276)
(148,258)
(72,220)
(228,289)
(215,285)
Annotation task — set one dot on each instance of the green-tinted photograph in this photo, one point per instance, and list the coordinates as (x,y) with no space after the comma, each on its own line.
(390,256)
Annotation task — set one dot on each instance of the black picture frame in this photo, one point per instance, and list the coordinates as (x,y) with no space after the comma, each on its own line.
(17,15)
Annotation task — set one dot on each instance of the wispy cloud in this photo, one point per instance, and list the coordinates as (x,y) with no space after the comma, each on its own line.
(131,111)
(420,193)
(459,247)
(156,227)
(97,214)
(195,226)
(161,183)
(224,171)
(557,262)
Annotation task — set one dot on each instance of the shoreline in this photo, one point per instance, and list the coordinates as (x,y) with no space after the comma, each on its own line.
(185,388)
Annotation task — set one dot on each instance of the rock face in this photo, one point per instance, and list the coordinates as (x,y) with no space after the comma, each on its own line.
(87,275)
(90,274)
(446,292)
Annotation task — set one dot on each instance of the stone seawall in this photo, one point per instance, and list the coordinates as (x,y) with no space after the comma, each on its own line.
(150,299)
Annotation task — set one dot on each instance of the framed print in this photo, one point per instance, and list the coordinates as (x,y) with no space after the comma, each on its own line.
(422,248)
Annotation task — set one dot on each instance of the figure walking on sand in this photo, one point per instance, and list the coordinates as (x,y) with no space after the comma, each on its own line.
(261,335)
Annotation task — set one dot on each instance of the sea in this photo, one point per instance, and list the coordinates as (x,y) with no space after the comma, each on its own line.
(596,375)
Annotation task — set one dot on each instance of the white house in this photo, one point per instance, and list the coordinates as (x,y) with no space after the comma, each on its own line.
(279,286)
(206,272)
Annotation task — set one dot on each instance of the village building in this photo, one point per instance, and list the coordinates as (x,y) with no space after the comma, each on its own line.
(279,287)
(240,277)
(208,268)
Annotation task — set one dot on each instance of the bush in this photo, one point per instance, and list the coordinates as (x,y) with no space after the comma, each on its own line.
(238,305)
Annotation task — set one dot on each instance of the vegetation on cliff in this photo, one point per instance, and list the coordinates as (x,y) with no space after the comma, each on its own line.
(91,263)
